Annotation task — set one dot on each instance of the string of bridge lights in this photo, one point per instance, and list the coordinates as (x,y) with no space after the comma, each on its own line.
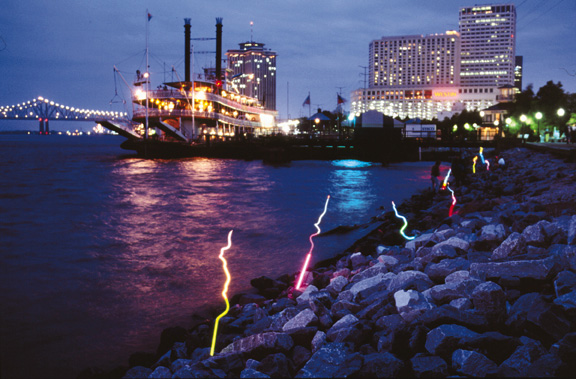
(39,101)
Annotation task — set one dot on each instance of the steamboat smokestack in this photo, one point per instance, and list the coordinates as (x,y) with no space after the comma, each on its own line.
(218,48)
(187,40)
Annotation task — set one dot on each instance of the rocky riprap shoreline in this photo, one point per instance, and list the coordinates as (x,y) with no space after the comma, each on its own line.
(490,291)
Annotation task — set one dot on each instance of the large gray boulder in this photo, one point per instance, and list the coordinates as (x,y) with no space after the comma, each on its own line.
(473,364)
(572,231)
(344,330)
(489,299)
(455,242)
(515,244)
(336,285)
(428,366)
(444,339)
(301,320)
(305,296)
(370,285)
(452,290)
(439,271)
(564,283)
(276,366)
(411,304)
(333,360)
(492,233)
(410,279)
(522,358)
(252,373)
(261,344)
(539,269)
(381,365)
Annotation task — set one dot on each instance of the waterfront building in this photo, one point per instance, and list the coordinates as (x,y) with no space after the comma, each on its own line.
(488,45)
(414,61)
(519,63)
(418,76)
(253,72)
(439,75)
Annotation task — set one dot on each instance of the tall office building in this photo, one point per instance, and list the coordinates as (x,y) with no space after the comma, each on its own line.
(488,45)
(418,77)
(518,73)
(254,72)
(416,60)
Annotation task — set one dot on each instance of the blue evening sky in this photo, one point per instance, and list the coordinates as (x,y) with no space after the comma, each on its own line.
(65,50)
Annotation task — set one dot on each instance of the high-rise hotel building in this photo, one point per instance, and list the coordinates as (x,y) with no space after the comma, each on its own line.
(254,72)
(441,74)
(488,48)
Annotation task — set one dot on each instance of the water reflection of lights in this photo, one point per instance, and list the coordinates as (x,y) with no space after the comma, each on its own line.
(317,225)
(224,291)
(351,163)
(353,190)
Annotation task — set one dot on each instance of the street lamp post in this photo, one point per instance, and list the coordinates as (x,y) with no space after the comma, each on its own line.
(523,120)
(538,117)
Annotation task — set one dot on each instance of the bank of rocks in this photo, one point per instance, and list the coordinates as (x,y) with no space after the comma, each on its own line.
(490,291)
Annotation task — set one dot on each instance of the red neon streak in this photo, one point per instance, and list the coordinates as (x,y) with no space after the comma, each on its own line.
(453,203)
(303,272)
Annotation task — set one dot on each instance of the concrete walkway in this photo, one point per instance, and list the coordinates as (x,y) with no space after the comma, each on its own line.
(563,149)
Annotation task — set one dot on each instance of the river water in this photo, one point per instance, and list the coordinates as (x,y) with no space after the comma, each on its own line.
(100,251)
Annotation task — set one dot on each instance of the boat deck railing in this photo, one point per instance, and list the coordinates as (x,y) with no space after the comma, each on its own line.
(197,114)
(176,94)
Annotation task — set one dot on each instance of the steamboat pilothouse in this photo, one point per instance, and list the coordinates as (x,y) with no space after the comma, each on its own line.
(185,117)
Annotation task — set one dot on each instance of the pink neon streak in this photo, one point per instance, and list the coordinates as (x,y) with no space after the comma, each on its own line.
(317,225)
(487,165)
(453,203)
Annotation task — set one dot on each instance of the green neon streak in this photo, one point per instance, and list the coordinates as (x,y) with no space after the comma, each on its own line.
(405,223)
(225,266)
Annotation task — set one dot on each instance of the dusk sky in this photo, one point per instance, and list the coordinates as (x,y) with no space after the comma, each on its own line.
(65,50)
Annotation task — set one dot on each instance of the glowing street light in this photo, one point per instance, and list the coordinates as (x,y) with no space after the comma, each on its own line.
(561,112)
(538,117)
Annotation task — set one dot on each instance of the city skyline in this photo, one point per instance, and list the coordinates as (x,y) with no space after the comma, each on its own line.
(66,51)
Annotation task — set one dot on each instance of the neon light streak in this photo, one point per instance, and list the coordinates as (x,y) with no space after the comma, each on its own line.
(303,272)
(405,223)
(225,266)
(474,165)
(445,183)
(453,202)
(481,154)
(487,165)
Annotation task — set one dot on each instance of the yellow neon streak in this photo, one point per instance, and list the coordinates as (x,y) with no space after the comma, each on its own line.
(405,223)
(474,165)
(317,225)
(224,291)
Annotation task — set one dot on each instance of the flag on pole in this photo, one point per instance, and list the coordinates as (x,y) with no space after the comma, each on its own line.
(307,101)
(340,100)
(149,16)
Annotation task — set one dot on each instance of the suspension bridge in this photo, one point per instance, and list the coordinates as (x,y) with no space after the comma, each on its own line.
(45,110)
